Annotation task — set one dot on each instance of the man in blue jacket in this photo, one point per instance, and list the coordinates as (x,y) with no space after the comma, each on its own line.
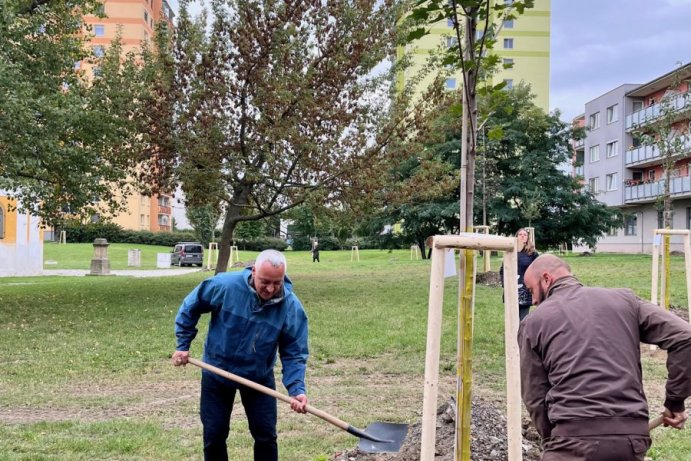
(254,314)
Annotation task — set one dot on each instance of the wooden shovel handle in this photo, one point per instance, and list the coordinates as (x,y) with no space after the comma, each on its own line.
(656,421)
(268,391)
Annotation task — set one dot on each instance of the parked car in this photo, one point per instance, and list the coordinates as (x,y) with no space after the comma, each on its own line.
(187,254)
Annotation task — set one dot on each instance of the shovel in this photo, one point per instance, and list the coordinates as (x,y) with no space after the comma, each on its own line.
(377,438)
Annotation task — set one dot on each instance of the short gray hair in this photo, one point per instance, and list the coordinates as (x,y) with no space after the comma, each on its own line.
(274,257)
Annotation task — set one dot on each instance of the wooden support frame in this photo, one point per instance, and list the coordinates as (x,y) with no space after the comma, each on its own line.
(531,234)
(354,253)
(234,254)
(434,318)
(414,251)
(657,277)
(486,254)
(63,238)
(212,253)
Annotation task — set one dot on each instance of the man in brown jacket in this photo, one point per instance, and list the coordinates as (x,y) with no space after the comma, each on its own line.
(581,370)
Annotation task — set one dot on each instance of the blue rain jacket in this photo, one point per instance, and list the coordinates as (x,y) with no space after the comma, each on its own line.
(245,332)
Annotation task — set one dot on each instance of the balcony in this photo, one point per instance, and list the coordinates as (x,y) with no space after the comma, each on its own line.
(650,155)
(648,192)
(649,114)
(579,171)
(579,144)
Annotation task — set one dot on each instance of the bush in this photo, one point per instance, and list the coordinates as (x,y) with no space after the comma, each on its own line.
(78,232)
(261,244)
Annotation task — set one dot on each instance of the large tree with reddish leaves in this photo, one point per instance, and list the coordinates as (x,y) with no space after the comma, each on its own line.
(278,105)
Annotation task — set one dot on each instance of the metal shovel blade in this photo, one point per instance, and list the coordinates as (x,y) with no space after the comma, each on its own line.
(382,437)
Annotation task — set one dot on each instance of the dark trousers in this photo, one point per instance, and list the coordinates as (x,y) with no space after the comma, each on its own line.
(216,406)
(600,448)
(523,311)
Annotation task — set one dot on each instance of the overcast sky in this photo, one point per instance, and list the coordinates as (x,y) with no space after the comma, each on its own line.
(598,45)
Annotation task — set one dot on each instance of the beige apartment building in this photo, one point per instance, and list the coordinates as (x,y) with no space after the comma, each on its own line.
(523,43)
(135,20)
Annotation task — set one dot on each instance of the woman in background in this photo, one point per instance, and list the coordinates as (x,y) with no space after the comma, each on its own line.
(526,255)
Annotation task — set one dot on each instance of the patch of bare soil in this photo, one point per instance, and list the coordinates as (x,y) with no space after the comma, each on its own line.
(488,438)
(682,312)
(490,279)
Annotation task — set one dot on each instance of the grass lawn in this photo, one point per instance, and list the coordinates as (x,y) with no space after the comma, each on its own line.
(86,372)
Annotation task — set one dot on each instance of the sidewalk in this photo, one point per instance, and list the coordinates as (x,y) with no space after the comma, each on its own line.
(127,273)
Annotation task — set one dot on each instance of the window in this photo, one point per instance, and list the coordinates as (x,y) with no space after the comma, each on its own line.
(651,175)
(450,83)
(163,220)
(612,181)
(2,223)
(99,52)
(688,219)
(508,2)
(637,105)
(99,30)
(594,121)
(146,17)
(100,10)
(508,43)
(630,224)
(508,62)
(612,149)
(594,153)
(508,24)
(509,83)
(164,201)
(613,113)
(594,185)
(612,232)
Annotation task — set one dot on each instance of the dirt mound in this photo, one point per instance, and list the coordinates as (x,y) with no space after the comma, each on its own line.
(488,438)
(488,278)
(681,311)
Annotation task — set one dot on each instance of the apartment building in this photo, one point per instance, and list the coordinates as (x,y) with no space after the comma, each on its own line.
(524,43)
(135,21)
(627,174)
(21,240)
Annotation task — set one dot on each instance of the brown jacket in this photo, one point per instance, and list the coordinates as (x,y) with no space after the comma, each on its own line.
(580,360)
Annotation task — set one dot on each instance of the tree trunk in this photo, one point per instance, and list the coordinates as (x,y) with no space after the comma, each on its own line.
(229,224)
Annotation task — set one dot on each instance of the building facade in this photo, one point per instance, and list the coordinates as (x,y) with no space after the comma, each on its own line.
(523,43)
(627,173)
(134,21)
(21,241)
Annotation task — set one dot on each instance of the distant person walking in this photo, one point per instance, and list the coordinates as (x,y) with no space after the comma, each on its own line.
(526,255)
(315,254)
(581,376)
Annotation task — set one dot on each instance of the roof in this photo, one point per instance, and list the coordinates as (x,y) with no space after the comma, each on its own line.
(661,82)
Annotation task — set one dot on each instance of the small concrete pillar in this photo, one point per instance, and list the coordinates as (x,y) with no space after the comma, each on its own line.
(100,264)
(134,258)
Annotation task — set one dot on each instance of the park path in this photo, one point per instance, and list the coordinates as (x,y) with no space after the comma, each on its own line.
(128,273)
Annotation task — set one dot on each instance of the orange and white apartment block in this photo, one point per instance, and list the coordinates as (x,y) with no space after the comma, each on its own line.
(135,21)
(21,241)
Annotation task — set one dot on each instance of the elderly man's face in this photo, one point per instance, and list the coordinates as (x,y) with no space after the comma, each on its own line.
(268,280)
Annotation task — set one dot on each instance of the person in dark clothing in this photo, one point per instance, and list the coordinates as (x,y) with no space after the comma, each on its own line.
(254,315)
(581,378)
(315,254)
(526,255)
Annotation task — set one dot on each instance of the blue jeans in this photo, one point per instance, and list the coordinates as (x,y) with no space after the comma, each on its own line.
(216,406)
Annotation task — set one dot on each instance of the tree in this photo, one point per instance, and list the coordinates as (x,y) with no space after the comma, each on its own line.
(58,141)
(527,154)
(278,105)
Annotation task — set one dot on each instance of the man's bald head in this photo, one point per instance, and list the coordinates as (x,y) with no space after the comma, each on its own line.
(542,273)
(550,264)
